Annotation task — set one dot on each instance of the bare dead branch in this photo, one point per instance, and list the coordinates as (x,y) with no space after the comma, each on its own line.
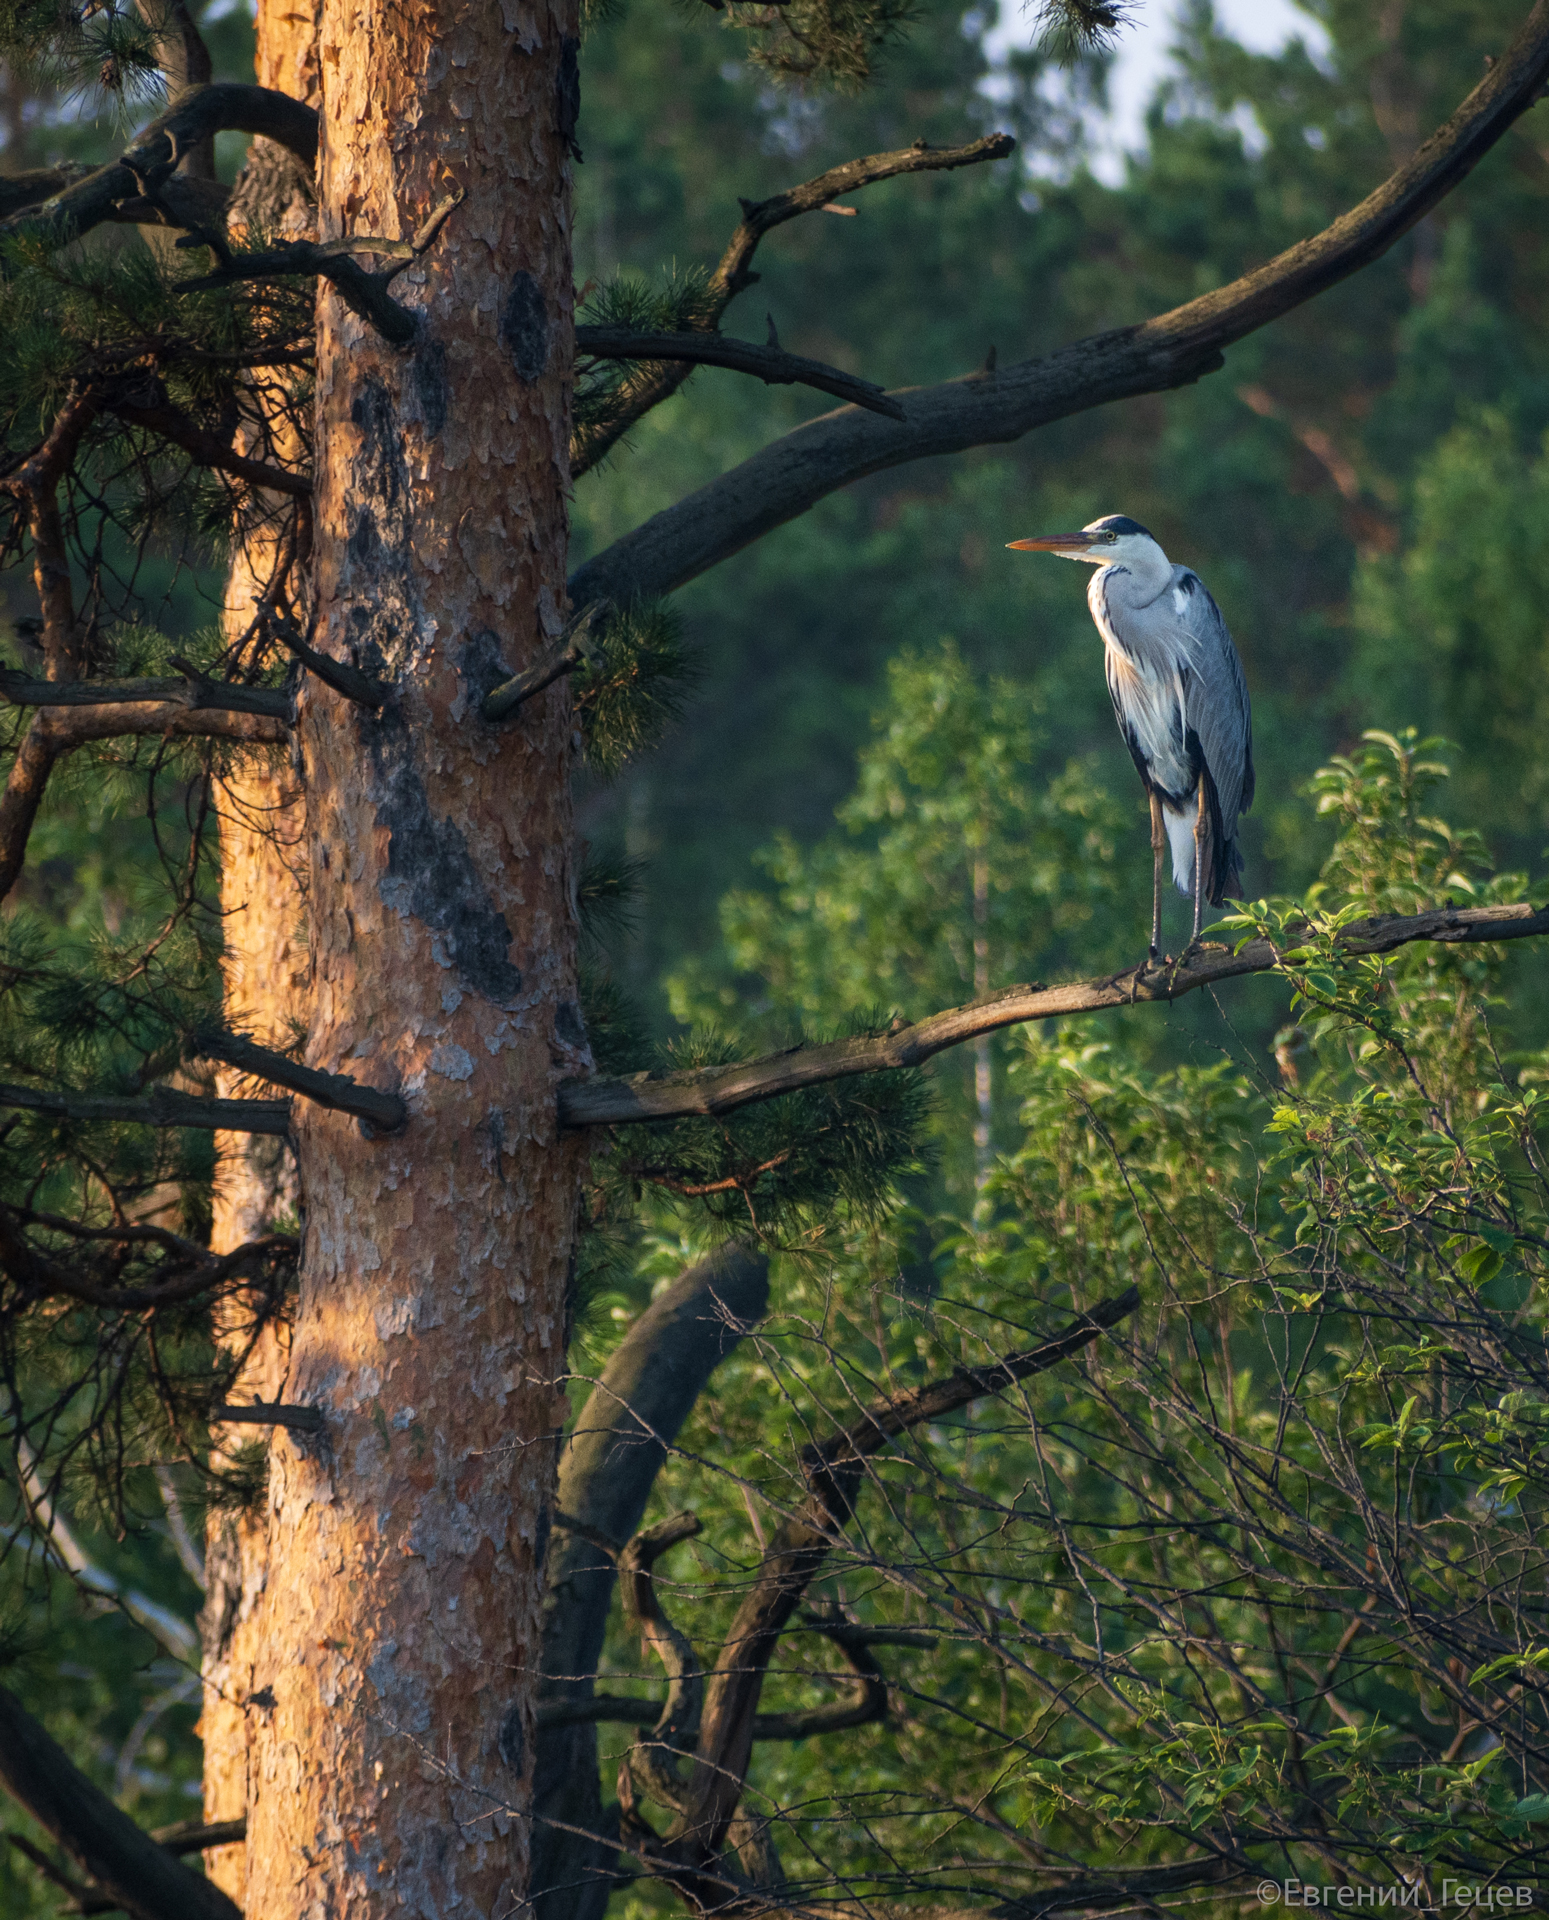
(650,1766)
(209,449)
(82,1899)
(161,1107)
(151,161)
(198,1273)
(54,734)
(270,1413)
(35,485)
(797,1552)
(773,365)
(595,1708)
(338,674)
(607,1468)
(385,1112)
(167,1107)
(366,293)
(991,408)
(867,1693)
(21,190)
(108,722)
(185,60)
(187,1837)
(657,383)
(715,1090)
(25,786)
(193,1836)
(145,1879)
(190,691)
(568,652)
(854,1641)
(815,195)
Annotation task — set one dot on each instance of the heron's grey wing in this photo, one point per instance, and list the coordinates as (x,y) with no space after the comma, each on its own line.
(1217,697)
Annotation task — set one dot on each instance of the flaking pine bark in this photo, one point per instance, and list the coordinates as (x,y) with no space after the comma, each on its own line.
(389,1721)
(265,985)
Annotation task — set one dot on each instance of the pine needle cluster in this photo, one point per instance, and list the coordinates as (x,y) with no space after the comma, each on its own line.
(84,49)
(633,685)
(837,41)
(110,325)
(1071,29)
(680,303)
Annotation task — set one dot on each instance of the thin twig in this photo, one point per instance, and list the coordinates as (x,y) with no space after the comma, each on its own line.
(773,365)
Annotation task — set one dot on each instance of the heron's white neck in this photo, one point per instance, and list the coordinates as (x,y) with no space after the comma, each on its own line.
(1136,574)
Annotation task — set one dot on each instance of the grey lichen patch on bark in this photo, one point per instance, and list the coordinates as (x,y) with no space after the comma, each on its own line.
(431,876)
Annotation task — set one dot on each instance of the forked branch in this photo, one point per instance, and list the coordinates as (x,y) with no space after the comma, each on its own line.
(149,164)
(208,449)
(650,1766)
(655,383)
(366,293)
(833,1469)
(989,408)
(716,1090)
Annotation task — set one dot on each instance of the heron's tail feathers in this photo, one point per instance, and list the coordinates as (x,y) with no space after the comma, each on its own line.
(1228,875)
(1180,838)
(1223,858)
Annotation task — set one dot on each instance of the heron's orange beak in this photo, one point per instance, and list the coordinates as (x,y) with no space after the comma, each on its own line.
(1054,543)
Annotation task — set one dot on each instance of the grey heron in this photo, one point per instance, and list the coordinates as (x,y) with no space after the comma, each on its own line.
(1180,699)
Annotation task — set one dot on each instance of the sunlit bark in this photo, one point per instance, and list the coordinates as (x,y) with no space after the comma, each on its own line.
(395,1636)
(266,981)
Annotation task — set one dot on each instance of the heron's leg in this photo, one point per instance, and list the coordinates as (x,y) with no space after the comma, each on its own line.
(1158,848)
(1199,860)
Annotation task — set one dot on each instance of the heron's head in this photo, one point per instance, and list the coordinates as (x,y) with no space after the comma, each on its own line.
(1111,541)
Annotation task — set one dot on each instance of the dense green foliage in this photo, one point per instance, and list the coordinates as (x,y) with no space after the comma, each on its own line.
(1258,1578)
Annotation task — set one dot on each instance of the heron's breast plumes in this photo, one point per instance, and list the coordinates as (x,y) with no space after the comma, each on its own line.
(1147,664)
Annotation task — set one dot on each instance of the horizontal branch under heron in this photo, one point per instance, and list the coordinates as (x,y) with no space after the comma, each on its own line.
(718,1090)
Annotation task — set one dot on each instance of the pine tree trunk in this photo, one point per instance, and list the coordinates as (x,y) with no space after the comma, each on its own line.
(393,1641)
(263,903)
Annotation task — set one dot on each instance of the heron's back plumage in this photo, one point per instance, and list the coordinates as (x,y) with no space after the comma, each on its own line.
(1182,705)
